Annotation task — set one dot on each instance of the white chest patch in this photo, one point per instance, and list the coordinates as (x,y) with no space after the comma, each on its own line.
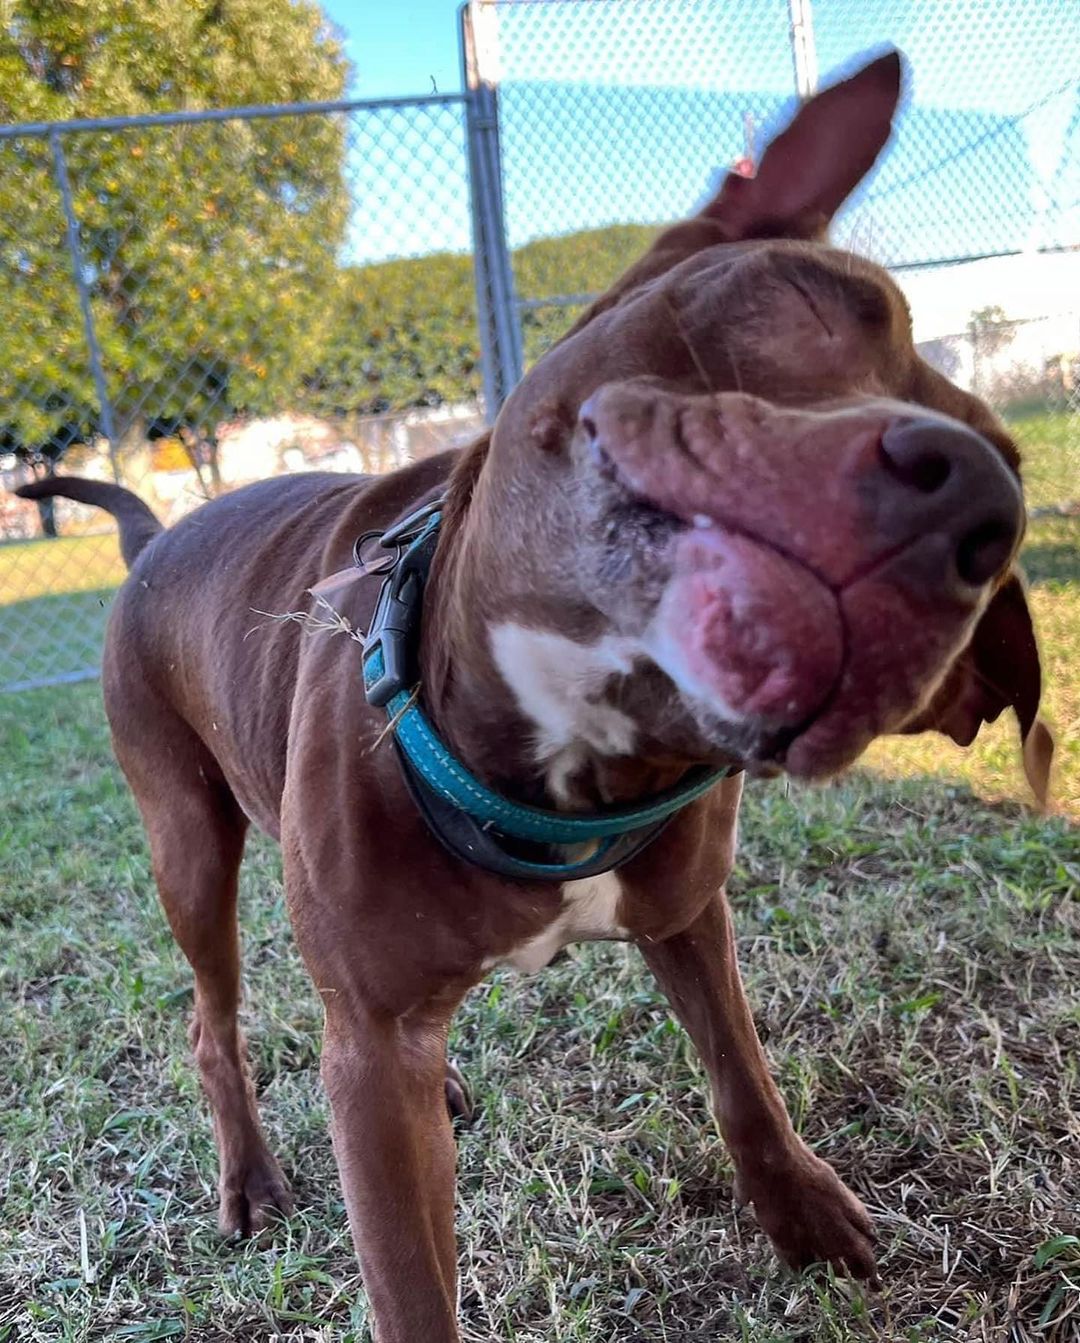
(589,914)
(558,684)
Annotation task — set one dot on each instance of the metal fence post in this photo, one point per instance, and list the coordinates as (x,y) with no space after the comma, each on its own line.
(803,49)
(78,266)
(496,302)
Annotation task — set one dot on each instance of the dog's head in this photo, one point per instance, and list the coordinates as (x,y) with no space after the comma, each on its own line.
(733,515)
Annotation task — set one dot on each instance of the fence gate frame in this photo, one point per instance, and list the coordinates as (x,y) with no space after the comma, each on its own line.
(498,319)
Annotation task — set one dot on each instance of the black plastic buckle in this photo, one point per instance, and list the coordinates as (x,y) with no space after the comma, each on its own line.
(395,627)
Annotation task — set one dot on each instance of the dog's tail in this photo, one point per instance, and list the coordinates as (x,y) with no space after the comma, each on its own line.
(137,524)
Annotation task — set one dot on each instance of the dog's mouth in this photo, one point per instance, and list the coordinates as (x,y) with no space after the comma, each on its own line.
(778,665)
(627,508)
(752,635)
(722,607)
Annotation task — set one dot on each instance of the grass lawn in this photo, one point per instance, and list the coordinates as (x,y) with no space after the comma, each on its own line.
(1050,443)
(66,564)
(912,954)
(54,603)
(911,941)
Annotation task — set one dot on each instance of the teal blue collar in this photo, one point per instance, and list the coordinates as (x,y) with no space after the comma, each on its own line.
(470,818)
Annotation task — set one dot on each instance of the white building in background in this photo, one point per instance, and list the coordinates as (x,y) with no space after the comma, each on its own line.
(248,450)
(1039,293)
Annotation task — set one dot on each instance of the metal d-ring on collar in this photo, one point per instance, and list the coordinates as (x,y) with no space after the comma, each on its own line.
(471,820)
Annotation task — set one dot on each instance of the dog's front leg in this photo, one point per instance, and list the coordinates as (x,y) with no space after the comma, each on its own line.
(395,1151)
(809,1215)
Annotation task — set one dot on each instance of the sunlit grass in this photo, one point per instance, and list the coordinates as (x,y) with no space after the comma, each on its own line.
(65,564)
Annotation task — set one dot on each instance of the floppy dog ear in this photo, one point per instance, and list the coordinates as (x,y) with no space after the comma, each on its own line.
(804,176)
(999,668)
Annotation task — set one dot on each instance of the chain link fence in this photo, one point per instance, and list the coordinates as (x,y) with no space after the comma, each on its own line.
(199,301)
(202,299)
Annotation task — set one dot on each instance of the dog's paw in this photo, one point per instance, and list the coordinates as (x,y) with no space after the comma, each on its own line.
(253,1199)
(810,1216)
(459,1098)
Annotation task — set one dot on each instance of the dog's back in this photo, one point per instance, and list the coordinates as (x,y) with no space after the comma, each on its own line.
(201,612)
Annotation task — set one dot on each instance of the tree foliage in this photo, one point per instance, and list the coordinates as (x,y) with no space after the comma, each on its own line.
(576,264)
(394,335)
(214,252)
(403,333)
(208,248)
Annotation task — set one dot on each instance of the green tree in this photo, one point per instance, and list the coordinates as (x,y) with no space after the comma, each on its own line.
(582,264)
(990,332)
(210,249)
(990,328)
(403,333)
(397,334)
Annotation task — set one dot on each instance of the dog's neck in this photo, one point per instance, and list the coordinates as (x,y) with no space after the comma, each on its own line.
(508,694)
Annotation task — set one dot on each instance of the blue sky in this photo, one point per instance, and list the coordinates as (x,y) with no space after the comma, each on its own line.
(399,46)
(576,154)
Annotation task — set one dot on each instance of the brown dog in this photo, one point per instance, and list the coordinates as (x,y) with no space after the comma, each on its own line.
(731,520)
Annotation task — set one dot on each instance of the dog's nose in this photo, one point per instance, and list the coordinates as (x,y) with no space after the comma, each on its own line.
(627,411)
(954,480)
